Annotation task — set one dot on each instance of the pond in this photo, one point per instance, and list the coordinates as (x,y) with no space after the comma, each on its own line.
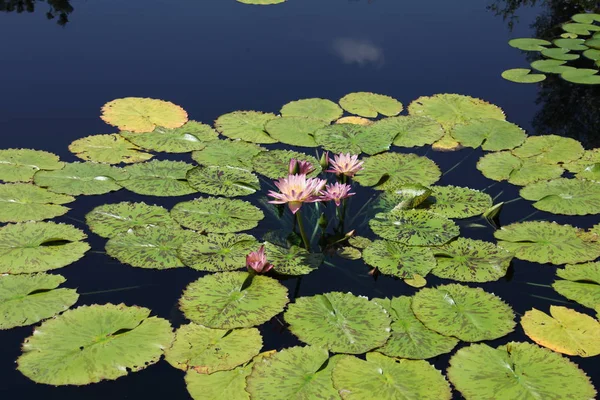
(63,60)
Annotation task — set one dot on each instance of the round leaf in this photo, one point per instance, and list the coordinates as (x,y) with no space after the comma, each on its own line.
(81,178)
(490,134)
(592,54)
(580,283)
(220,385)
(158,178)
(21,202)
(585,76)
(275,164)
(223,181)
(408,130)
(392,258)
(551,66)
(138,114)
(351,138)
(457,202)
(529,44)
(245,125)
(370,105)
(19,165)
(292,261)
(587,167)
(522,75)
(108,149)
(586,18)
(580,29)
(505,166)
(217,252)
(564,196)
(297,131)
(388,171)
(109,220)
(570,44)
(550,149)
(189,137)
(232,153)
(322,109)
(560,54)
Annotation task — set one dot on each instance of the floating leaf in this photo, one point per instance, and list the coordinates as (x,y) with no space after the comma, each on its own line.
(21,202)
(414,227)
(39,246)
(223,181)
(593,43)
(354,120)
(560,54)
(207,350)
(275,164)
(592,54)
(529,44)
(551,66)
(109,220)
(389,171)
(228,300)
(19,165)
(522,75)
(581,283)
(322,109)
(217,215)
(588,166)
(108,149)
(381,377)
(81,178)
(446,143)
(570,44)
(94,343)
(470,314)
(490,134)
(408,130)
(340,322)
(344,138)
(580,29)
(417,281)
(402,198)
(217,252)
(138,114)
(297,131)
(505,166)
(564,196)
(517,371)
(370,105)
(586,18)
(547,242)
(392,258)
(409,337)
(27,299)
(158,178)
(359,242)
(456,202)
(292,261)
(550,149)
(220,385)
(468,260)
(189,137)
(232,153)
(348,253)
(585,76)
(245,125)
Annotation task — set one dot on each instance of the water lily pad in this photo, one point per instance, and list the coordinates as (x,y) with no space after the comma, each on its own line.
(232,153)
(587,167)
(158,178)
(353,119)
(189,137)
(408,130)
(389,171)
(580,283)
(108,149)
(414,227)
(381,377)
(586,18)
(138,114)
(19,165)
(359,242)
(228,300)
(409,337)
(217,215)
(592,54)
(560,54)
(109,220)
(370,105)
(468,260)
(348,253)
(21,202)
(551,66)
(565,331)
(517,371)
(245,125)
(392,258)
(470,314)
(584,76)
(550,149)
(153,247)
(340,322)
(207,350)
(344,138)
(27,299)
(297,131)
(81,178)
(275,164)
(94,343)
(402,198)
(564,196)
(522,75)
(570,44)
(490,134)
(322,109)
(292,261)
(223,181)
(505,166)
(580,28)
(39,246)
(446,143)
(220,385)
(217,252)
(547,242)
(529,44)
(593,43)
(456,202)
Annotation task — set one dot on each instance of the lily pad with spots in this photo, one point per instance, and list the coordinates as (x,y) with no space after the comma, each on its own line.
(245,125)
(21,202)
(158,178)
(275,164)
(297,131)
(232,153)
(550,149)
(587,167)
(109,220)
(292,261)
(355,139)
(389,171)
(217,252)
(529,44)
(79,178)
(522,75)
(490,134)
(223,181)
(393,258)
(189,137)
(408,130)
(322,109)
(370,105)
(108,149)
(564,196)
(401,198)
(504,166)
(220,385)
(456,202)
(138,114)
(580,283)
(19,165)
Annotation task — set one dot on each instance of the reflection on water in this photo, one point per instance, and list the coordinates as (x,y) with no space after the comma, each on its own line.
(59,9)
(358,51)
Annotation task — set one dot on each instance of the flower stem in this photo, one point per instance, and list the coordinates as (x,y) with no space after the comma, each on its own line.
(301,228)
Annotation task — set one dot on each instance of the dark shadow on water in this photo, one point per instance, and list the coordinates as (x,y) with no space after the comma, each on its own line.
(55,9)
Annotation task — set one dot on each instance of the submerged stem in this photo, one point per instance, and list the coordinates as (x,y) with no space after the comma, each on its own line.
(301,229)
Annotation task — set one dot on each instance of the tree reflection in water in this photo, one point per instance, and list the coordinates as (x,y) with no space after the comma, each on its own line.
(59,9)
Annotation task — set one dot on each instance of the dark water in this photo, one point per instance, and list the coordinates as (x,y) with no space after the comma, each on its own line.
(216,56)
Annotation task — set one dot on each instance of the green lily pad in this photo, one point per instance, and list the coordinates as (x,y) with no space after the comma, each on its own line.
(505,166)
(223,181)
(592,54)
(232,153)
(207,350)
(586,18)
(19,165)
(381,377)
(389,171)
(456,202)
(297,131)
(79,178)
(585,76)
(94,343)
(340,322)
(158,178)
(275,164)
(153,247)
(408,130)
(401,198)
(593,43)
(580,28)
(28,299)
(409,337)
(517,371)
(470,314)
(138,114)
(21,202)
(570,44)
(292,261)
(547,242)
(220,385)
(560,54)
(414,227)
(468,260)
(228,300)
(352,138)
(217,215)
(490,134)
(587,167)
(217,252)
(392,258)
(322,109)
(359,242)
(245,125)
(529,44)
(39,246)
(349,253)
(108,149)
(109,220)
(189,137)
(370,105)
(522,75)
(564,196)
(580,283)
(294,373)
(551,66)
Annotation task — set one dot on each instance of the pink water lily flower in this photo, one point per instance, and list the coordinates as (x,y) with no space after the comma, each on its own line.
(336,192)
(257,261)
(295,190)
(345,164)
(300,167)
